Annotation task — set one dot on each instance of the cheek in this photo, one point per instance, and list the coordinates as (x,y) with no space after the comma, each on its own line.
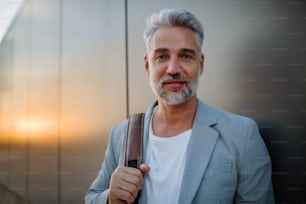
(197,75)
(153,76)
(155,72)
(191,71)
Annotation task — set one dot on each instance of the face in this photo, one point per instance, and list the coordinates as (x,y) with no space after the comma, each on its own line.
(174,64)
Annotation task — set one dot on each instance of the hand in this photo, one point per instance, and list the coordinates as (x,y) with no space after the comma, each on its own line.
(125,184)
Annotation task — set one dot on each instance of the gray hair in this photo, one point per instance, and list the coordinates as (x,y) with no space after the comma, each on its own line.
(173,17)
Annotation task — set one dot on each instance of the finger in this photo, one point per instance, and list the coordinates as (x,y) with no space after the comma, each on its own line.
(129,179)
(126,196)
(144,168)
(128,174)
(121,190)
(131,189)
(133,176)
(136,181)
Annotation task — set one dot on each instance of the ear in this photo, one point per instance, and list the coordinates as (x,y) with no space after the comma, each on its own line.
(146,64)
(202,64)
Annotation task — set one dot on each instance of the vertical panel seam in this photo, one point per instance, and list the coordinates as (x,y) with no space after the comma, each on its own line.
(59,134)
(126,59)
(29,109)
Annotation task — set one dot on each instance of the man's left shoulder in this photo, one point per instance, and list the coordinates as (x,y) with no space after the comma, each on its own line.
(231,117)
(224,116)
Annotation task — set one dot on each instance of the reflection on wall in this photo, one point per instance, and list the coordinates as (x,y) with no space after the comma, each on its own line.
(63,86)
(61,90)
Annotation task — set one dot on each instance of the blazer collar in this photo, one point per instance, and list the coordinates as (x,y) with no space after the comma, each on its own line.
(202,110)
(205,114)
(200,148)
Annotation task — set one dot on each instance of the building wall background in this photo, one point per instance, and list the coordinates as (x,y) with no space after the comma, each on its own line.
(71,69)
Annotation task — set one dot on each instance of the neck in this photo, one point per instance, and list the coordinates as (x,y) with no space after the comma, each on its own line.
(170,120)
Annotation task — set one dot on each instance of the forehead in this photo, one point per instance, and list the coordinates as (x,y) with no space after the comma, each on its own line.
(173,38)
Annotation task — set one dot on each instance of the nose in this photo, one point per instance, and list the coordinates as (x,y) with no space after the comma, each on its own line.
(173,66)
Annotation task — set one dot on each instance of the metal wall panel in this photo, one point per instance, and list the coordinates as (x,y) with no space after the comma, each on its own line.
(5,59)
(92,88)
(254,66)
(62,88)
(43,104)
(14,97)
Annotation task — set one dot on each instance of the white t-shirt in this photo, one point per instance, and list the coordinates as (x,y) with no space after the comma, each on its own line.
(166,158)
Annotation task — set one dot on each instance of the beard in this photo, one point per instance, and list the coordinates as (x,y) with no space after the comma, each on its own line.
(179,97)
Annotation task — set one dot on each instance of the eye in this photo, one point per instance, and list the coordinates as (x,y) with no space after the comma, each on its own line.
(186,57)
(161,58)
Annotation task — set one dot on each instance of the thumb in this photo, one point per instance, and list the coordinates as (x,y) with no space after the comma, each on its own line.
(144,168)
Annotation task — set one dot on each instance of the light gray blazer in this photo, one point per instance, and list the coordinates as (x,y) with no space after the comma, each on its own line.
(227,161)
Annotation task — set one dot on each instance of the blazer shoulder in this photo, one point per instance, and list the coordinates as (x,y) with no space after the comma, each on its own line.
(117,135)
(220,116)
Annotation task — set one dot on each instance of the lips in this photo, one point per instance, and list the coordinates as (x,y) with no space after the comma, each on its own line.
(174,83)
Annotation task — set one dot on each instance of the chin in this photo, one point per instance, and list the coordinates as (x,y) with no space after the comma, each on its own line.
(176,99)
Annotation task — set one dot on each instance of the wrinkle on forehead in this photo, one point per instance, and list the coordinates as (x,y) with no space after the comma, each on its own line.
(174,39)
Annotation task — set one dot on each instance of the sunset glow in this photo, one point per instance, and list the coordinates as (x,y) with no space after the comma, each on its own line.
(33,126)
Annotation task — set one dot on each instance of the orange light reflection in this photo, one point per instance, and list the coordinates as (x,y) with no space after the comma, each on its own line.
(33,126)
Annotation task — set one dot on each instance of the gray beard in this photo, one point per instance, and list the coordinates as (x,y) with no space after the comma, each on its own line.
(175,98)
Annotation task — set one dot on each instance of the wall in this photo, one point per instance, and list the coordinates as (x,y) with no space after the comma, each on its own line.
(62,88)
(69,70)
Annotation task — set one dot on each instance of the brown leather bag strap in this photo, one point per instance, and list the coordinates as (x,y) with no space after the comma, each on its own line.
(133,155)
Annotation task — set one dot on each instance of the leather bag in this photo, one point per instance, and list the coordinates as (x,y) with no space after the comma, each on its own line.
(134,141)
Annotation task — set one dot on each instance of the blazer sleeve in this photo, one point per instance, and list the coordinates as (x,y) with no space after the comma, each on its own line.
(98,191)
(254,179)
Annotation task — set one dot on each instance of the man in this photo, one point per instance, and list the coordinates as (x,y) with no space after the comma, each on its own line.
(194,153)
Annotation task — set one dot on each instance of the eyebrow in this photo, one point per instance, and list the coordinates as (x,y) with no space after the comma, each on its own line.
(191,51)
(161,50)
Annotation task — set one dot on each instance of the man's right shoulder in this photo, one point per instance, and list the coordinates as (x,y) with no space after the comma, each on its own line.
(120,127)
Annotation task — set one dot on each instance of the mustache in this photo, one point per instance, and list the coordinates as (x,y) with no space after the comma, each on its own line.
(174,77)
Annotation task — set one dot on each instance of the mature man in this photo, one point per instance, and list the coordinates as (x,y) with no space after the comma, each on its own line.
(194,153)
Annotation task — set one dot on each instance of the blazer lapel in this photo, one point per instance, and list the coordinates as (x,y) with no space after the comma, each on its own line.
(200,149)
(201,146)
(147,120)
